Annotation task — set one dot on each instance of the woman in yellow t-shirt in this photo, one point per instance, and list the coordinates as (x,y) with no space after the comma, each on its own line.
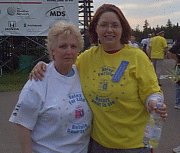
(119,83)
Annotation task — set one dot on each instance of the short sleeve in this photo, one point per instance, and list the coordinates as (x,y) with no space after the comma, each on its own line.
(27,108)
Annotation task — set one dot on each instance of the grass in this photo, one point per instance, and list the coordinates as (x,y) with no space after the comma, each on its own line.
(13,82)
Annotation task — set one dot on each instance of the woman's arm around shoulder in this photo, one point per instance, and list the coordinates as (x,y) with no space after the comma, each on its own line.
(37,71)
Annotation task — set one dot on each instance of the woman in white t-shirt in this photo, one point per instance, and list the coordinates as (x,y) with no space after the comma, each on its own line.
(52,115)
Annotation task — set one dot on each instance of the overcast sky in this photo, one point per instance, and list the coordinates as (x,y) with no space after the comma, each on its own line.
(156,12)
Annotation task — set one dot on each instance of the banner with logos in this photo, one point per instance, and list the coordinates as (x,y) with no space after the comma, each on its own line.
(35,17)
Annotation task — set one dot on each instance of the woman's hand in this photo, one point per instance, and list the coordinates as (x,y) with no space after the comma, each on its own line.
(37,71)
(160,110)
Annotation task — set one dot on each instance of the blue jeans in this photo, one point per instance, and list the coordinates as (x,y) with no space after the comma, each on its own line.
(177,101)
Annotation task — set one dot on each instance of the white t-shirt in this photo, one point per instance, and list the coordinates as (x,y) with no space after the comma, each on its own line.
(56,112)
(146,42)
(143,41)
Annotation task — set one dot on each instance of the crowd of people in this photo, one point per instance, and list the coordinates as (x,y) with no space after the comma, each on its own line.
(98,101)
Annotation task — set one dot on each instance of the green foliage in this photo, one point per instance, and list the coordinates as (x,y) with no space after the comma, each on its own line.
(174,75)
(172,31)
(13,82)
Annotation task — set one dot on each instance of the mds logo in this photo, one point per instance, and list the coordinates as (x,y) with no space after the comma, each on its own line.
(56,12)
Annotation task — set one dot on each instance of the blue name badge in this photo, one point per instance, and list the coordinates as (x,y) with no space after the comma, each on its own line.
(119,72)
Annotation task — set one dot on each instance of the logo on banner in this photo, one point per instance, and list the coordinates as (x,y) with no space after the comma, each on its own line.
(12,24)
(22,12)
(11,11)
(56,12)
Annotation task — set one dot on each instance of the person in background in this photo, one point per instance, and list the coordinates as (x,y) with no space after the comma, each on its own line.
(133,43)
(148,50)
(158,48)
(176,50)
(145,44)
(52,115)
(148,40)
(119,83)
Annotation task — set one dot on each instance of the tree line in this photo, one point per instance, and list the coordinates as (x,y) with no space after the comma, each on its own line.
(172,31)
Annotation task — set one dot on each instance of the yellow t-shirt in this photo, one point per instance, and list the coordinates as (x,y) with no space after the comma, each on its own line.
(119,109)
(158,45)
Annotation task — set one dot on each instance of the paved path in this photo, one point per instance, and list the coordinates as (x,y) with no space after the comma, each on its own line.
(170,135)
(8,138)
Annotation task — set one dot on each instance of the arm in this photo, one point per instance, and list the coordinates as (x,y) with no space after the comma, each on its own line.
(37,71)
(25,113)
(166,50)
(148,88)
(24,139)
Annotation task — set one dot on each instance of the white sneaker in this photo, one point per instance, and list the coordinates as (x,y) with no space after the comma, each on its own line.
(176,150)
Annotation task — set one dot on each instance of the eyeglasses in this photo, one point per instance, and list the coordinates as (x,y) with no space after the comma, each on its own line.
(106,26)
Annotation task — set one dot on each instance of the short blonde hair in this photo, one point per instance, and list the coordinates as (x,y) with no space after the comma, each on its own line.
(63,28)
